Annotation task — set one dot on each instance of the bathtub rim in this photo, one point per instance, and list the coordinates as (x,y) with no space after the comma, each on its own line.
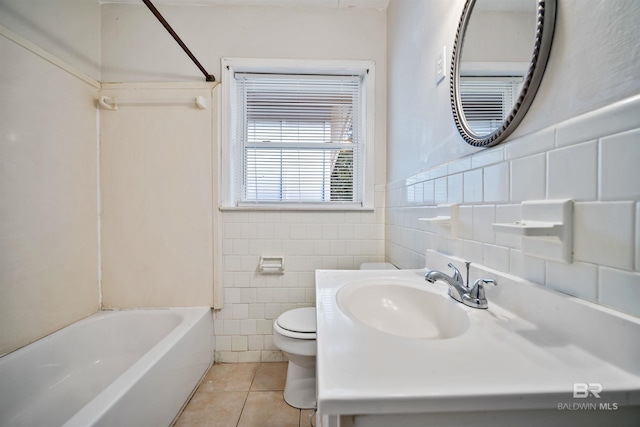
(108,397)
(191,322)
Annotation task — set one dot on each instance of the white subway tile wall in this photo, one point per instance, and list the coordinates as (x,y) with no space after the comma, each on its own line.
(572,172)
(441,195)
(308,241)
(526,267)
(454,188)
(603,233)
(534,143)
(487,157)
(483,218)
(619,289)
(473,186)
(496,183)
(592,159)
(465,222)
(528,178)
(508,214)
(578,278)
(619,160)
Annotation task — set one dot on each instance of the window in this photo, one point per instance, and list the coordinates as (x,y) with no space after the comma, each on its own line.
(296,136)
(488,100)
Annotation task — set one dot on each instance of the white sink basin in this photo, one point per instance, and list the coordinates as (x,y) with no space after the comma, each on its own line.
(518,360)
(403,309)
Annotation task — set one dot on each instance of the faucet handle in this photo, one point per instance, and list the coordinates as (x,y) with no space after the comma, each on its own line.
(475,298)
(477,291)
(456,275)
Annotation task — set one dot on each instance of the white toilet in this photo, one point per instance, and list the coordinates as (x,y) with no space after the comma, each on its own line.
(294,332)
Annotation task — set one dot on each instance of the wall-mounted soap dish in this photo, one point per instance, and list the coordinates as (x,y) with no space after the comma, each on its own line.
(530,228)
(546,229)
(443,220)
(446,218)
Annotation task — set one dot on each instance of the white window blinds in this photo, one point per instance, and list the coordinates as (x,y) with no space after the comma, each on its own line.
(487,101)
(299,138)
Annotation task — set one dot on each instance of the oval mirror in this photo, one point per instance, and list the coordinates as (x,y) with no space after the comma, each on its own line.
(499,56)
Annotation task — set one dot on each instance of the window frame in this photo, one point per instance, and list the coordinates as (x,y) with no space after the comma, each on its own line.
(229,191)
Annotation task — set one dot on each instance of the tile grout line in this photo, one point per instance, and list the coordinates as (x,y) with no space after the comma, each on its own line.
(247,396)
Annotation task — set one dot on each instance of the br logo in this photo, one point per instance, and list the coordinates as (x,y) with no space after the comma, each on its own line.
(583,390)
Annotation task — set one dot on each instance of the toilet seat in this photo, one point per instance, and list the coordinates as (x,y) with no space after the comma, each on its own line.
(299,323)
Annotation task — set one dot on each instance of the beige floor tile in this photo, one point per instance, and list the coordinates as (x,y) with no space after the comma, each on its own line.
(229,377)
(213,409)
(268,409)
(270,376)
(304,418)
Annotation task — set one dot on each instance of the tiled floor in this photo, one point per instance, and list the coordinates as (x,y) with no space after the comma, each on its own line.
(243,395)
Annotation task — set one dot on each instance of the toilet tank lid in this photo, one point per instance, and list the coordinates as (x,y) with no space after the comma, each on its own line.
(377,266)
(299,320)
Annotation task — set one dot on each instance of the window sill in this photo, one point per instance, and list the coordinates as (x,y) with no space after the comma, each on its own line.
(296,208)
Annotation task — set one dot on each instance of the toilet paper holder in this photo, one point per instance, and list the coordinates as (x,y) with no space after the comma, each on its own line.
(271,264)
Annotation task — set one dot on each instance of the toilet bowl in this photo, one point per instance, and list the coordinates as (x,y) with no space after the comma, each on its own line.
(294,332)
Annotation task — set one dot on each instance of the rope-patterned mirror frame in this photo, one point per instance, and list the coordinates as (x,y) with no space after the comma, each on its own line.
(545,23)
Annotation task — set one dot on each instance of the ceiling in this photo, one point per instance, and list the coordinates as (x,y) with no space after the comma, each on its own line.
(327,4)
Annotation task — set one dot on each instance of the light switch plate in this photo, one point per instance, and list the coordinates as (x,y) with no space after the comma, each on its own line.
(441,66)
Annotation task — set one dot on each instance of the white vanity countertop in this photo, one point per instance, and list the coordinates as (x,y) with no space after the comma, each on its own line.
(502,362)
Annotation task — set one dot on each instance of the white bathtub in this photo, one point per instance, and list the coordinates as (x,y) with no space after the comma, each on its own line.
(114,368)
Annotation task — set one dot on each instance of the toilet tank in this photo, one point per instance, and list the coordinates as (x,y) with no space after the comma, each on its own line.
(377,266)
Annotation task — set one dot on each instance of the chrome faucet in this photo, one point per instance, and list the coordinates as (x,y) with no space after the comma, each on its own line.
(474,297)
(456,284)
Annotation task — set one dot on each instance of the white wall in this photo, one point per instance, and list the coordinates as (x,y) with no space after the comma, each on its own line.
(579,140)
(157,197)
(135,47)
(488,29)
(594,61)
(48,194)
(68,29)
(421,130)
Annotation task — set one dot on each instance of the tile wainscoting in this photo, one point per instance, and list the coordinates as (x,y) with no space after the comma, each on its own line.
(592,159)
(308,241)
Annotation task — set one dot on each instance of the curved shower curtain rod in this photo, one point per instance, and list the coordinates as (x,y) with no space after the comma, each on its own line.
(152,8)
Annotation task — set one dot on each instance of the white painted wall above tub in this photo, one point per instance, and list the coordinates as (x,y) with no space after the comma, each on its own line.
(157,196)
(49,268)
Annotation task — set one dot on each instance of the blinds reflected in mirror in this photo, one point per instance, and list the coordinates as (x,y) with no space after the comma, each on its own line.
(487,101)
(299,137)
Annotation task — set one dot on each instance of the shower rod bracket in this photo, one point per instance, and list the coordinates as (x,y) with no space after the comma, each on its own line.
(157,14)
